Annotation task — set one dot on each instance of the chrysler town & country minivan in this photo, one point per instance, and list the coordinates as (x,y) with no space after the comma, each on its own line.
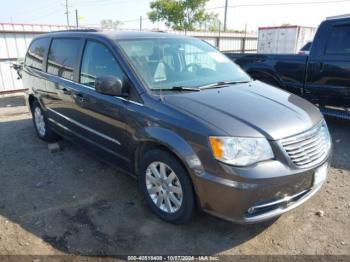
(196,131)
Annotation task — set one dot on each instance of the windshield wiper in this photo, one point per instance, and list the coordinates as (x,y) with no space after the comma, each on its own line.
(223,84)
(178,88)
(184,88)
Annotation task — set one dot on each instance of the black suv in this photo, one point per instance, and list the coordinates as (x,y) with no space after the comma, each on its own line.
(195,129)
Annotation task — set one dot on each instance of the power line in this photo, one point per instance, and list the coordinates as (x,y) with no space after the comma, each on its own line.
(46,15)
(38,12)
(292,3)
(102,2)
(247,5)
(134,20)
(280,4)
(35,8)
(43,14)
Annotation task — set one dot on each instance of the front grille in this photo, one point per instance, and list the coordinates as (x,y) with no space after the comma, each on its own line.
(309,148)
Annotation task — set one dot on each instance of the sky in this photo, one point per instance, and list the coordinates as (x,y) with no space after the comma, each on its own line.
(253,13)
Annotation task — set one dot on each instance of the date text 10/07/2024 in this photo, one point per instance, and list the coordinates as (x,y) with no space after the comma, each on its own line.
(172,258)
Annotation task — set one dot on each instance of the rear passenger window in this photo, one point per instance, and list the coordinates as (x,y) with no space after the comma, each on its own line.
(339,41)
(62,57)
(36,53)
(98,61)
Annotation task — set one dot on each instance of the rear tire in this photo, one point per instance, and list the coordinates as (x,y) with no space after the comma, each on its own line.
(167,187)
(41,124)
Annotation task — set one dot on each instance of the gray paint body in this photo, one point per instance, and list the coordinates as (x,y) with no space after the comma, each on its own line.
(117,127)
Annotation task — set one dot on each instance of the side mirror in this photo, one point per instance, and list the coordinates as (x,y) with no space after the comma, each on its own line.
(109,85)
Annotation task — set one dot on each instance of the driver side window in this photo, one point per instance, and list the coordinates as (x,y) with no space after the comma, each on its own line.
(98,61)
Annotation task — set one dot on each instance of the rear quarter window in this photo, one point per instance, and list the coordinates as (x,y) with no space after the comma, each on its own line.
(36,53)
(306,47)
(339,41)
(62,57)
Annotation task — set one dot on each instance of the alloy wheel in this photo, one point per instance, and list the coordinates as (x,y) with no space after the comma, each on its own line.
(163,187)
(39,121)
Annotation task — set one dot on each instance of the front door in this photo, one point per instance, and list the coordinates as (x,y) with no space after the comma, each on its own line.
(100,118)
(328,75)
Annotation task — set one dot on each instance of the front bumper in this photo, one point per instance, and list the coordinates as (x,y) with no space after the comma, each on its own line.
(257,194)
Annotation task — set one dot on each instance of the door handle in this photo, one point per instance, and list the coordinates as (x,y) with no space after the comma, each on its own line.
(321,65)
(66,91)
(80,98)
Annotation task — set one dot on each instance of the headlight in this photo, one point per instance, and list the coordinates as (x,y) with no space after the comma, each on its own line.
(240,151)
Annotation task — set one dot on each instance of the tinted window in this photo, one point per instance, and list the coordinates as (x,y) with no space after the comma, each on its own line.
(98,61)
(339,41)
(62,57)
(36,53)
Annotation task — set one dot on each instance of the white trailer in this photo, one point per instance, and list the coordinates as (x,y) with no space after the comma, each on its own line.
(284,39)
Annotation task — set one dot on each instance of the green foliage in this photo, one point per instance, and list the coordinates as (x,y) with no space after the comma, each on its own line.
(180,14)
(214,24)
(110,24)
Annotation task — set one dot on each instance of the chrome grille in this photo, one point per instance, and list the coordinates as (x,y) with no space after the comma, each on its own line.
(309,148)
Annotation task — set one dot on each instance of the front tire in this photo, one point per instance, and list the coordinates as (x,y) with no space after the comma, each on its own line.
(167,187)
(41,124)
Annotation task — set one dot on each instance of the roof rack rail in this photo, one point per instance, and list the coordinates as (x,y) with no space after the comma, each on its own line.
(338,17)
(77,30)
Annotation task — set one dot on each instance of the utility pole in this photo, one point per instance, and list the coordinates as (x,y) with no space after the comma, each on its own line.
(225,21)
(187,18)
(67,12)
(244,38)
(219,38)
(76,18)
(157,20)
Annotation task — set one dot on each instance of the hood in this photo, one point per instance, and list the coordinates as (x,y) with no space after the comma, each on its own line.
(250,109)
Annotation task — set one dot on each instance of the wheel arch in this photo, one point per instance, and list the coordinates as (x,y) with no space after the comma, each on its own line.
(261,74)
(31,99)
(145,146)
(167,140)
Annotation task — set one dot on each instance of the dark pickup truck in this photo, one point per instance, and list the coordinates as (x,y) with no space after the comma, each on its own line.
(323,77)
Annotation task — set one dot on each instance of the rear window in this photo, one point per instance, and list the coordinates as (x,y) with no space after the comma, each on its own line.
(339,41)
(36,53)
(62,57)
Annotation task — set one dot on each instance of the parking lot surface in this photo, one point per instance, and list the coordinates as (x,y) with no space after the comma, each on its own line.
(71,202)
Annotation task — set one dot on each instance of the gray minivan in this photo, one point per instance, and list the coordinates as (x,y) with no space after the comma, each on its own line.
(196,131)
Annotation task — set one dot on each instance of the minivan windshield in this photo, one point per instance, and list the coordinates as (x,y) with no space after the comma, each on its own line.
(180,63)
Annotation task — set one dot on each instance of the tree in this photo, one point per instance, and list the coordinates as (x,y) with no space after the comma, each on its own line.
(214,23)
(180,14)
(110,24)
